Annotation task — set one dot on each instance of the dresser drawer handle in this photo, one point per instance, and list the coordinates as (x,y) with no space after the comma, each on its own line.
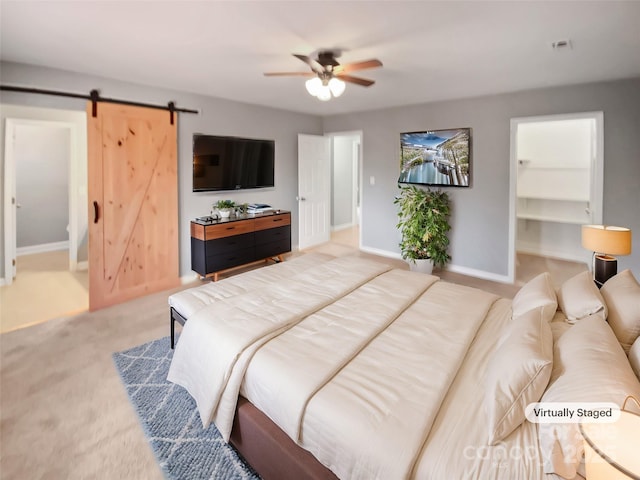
(231,228)
(277,219)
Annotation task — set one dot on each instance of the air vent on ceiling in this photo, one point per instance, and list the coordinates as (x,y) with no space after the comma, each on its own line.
(561,44)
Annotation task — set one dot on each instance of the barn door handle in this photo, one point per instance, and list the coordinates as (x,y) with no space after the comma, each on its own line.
(96,212)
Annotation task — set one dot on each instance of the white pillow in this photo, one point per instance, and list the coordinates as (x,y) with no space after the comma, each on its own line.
(518,373)
(537,292)
(634,357)
(579,297)
(588,366)
(622,294)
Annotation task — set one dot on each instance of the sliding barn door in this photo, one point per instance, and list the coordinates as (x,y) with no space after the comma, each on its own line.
(133,203)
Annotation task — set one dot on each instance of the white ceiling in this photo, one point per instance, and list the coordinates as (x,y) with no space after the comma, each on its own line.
(430,50)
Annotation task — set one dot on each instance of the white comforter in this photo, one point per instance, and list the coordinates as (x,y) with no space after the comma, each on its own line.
(356,362)
(219,340)
(360,382)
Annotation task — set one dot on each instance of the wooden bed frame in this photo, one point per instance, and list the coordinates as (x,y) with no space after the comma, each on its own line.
(269,450)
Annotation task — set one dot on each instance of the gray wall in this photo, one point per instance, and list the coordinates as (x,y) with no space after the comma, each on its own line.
(217,116)
(480,220)
(42,184)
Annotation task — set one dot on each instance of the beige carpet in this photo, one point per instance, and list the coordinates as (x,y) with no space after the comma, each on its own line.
(64,413)
(43,289)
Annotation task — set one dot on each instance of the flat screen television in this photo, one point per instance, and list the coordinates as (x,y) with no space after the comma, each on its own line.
(232,163)
(436,157)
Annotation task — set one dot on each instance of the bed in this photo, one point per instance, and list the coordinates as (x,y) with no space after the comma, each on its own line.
(347,368)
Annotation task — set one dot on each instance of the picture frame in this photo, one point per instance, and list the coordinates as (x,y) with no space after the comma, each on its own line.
(440,158)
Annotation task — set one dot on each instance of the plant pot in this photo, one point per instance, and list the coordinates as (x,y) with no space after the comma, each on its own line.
(224,212)
(422,265)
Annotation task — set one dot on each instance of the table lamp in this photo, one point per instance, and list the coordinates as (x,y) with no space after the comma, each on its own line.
(611,449)
(605,241)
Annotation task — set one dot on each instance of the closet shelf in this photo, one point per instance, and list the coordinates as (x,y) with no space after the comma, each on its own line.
(555,197)
(549,218)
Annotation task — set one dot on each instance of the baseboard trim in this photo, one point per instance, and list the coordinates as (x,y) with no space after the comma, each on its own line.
(84,265)
(45,247)
(483,274)
(380,252)
(342,226)
(471,272)
(3,282)
(189,277)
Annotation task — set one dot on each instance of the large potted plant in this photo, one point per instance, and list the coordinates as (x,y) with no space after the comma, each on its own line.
(423,220)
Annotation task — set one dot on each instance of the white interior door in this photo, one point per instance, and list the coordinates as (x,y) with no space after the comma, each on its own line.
(314,190)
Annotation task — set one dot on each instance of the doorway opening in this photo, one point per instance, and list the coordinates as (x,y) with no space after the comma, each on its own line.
(329,193)
(45,221)
(345,188)
(556,187)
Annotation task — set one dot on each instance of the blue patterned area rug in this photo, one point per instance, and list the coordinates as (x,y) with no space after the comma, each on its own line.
(171,422)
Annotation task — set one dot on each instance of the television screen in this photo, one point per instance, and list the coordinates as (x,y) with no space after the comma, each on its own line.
(436,157)
(232,163)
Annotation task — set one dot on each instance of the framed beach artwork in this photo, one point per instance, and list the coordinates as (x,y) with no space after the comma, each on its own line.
(439,158)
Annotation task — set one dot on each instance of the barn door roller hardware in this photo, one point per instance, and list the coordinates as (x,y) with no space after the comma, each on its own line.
(95,97)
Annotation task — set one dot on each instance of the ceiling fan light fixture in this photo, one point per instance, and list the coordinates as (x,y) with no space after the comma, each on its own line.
(313,86)
(324,93)
(336,86)
(329,77)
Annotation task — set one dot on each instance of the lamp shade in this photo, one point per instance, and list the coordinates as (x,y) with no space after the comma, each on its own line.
(606,239)
(611,449)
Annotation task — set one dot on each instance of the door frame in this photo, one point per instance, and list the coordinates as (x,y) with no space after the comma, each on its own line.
(597,177)
(358,170)
(75,122)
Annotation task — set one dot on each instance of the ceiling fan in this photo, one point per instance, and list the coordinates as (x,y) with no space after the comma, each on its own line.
(328,75)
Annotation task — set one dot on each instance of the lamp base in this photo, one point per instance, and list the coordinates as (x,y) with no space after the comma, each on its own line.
(606,267)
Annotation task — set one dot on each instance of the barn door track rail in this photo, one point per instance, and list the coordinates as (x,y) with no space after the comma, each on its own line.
(94,97)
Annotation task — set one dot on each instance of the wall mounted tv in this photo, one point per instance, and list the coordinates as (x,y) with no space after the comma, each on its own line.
(232,163)
(436,157)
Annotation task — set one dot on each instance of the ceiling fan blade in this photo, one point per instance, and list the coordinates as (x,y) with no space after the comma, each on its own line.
(357,80)
(315,66)
(352,67)
(287,74)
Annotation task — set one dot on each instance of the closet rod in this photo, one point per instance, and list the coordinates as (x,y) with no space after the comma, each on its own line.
(95,97)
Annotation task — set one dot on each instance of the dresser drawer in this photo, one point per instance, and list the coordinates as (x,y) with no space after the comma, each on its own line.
(228,229)
(272,235)
(230,259)
(229,244)
(272,221)
(273,249)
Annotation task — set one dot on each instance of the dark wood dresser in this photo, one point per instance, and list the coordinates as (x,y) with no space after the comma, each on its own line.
(220,245)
